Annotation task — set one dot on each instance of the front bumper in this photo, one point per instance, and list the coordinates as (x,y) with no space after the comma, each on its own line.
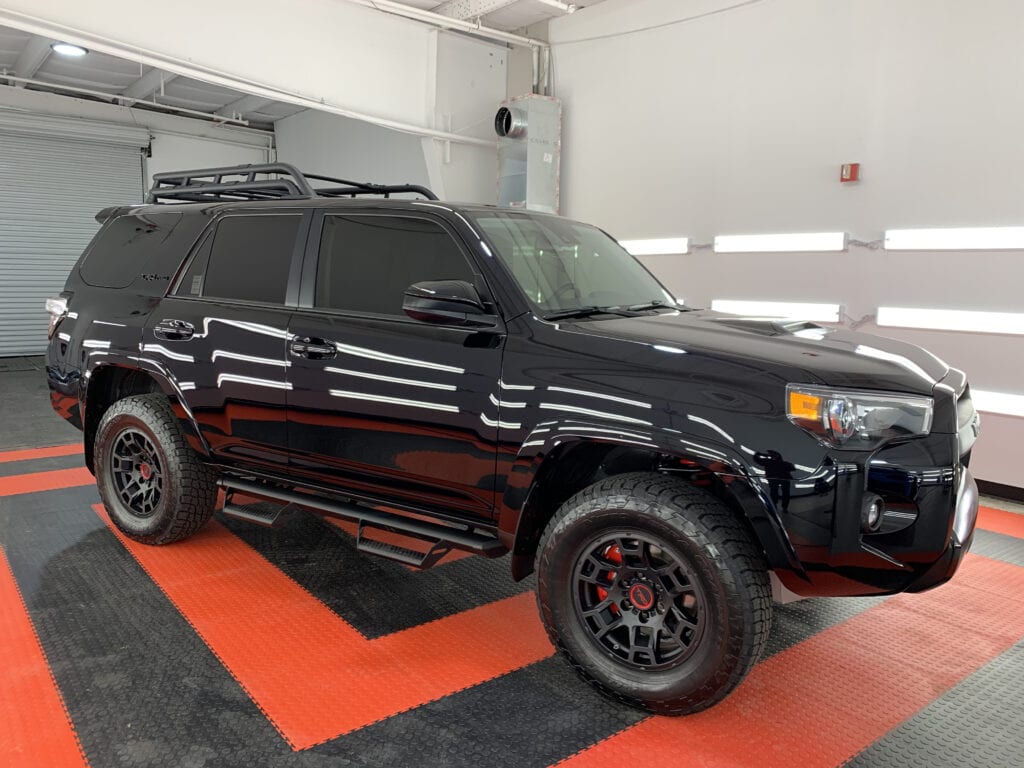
(965,518)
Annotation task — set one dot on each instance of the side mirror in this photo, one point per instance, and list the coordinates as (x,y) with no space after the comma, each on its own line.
(447,302)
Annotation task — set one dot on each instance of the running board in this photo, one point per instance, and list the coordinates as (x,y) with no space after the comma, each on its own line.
(442,538)
(400,554)
(267,515)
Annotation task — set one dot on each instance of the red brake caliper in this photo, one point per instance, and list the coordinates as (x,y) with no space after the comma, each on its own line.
(612,554)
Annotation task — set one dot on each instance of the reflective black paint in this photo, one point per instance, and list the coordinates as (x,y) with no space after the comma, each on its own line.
(473,424)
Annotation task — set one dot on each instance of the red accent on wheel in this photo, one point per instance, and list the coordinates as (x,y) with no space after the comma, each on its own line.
(641,596)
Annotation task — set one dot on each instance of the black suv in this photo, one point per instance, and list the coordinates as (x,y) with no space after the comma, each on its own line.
(500,381)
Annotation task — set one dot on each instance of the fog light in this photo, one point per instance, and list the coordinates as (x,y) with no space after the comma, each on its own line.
(871,513)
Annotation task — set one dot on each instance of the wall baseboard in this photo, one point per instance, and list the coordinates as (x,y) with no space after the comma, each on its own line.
(1011,492)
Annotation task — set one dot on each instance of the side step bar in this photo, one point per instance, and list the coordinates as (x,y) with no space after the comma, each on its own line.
(442,538)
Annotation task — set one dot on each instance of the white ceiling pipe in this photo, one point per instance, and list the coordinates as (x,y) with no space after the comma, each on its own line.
(448,22)
(128,101)
(187,68)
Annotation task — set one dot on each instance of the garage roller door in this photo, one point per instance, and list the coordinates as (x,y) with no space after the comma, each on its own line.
(55,174)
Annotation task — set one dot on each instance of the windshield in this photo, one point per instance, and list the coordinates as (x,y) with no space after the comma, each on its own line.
(563,265)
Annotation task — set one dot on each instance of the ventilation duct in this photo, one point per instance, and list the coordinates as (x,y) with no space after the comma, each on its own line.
(529,132)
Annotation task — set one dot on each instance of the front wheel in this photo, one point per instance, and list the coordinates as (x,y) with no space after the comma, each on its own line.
(655,592)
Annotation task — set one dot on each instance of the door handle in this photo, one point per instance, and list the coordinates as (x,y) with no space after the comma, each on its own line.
(313,349)
(174,330)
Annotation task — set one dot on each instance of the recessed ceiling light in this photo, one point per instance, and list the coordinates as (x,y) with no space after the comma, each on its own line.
(67,49)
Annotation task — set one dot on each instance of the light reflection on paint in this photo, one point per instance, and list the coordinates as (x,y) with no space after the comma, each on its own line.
(900,360)
(615,432)
(711,425)
(391,379)
(613,398)
(589,412)
(666,348)
(505,403)
(524,387)
(499,423)
(237,378)
(95,344)
(264,330)
(160,349)
(372,354)
(349,395)
(248,358)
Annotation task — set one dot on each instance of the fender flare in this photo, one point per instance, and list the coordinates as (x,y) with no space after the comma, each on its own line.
(548,442)
(168,384)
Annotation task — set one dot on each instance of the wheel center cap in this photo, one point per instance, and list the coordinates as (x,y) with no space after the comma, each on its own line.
(641,596)
(145,470)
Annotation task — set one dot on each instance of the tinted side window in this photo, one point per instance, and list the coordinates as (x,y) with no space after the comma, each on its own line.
(125,245)
(250,259)
(367,262)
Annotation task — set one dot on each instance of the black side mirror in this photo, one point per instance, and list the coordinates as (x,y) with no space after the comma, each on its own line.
(447,302)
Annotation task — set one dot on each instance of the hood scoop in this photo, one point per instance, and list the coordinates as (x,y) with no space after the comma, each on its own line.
(772,326)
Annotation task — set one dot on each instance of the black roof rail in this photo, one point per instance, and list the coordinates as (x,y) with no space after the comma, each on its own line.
(281,181)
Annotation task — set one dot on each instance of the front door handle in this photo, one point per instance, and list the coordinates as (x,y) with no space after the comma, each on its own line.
(174,330)
(313,349)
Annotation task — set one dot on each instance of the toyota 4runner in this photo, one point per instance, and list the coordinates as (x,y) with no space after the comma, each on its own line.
(505,382)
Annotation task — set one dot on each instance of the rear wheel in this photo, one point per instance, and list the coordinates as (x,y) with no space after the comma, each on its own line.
(654,591)
(154,486)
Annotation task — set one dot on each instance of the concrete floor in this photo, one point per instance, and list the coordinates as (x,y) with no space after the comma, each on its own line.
(26,417)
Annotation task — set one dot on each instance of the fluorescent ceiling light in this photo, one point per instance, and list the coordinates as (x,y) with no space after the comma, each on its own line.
(962,239)
(657,246)
(952,320)
(806,241)
(825,313)
(998,402)
(67,49)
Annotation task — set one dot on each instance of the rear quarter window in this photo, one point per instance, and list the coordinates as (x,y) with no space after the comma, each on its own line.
(145,243)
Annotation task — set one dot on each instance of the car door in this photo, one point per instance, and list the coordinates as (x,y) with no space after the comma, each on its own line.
(380,403)
(222,333)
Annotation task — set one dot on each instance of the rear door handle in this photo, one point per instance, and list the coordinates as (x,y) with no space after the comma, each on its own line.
(174,330)
(313,349)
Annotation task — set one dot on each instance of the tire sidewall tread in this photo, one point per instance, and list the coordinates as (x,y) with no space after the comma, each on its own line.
(717,547)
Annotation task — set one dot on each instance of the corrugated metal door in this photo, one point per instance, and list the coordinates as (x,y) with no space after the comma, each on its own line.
(55,174)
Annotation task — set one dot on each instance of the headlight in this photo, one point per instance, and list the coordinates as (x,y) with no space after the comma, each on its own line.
(857,420)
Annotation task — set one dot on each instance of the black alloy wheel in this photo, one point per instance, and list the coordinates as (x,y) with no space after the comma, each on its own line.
(137,472)
(642,604)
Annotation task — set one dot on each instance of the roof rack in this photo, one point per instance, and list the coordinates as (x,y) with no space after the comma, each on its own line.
(280,181)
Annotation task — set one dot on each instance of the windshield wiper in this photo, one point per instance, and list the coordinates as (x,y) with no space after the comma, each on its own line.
(580,312)
(656,304)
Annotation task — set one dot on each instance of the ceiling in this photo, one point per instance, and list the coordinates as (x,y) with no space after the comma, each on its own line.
(29,56)
(117,80)
(508,15)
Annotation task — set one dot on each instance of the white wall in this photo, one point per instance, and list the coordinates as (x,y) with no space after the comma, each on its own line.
(737,122)
(464,81)
(471,83)
(175,152)
(350,149)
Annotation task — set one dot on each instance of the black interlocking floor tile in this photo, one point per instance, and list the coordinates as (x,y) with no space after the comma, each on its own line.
(977,724)
(8,468)
(375,596)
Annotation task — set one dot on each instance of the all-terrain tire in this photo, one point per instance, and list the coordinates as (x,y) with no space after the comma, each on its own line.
(187,493)
(710,543)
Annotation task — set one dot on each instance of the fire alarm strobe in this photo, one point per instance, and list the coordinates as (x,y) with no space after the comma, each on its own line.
(849,172)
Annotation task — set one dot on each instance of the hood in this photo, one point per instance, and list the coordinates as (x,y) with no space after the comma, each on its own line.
(800,351)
